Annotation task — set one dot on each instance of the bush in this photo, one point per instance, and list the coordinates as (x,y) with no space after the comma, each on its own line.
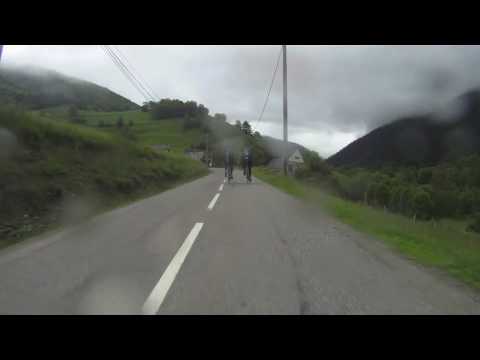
(474,225)
(120,123)
(422,204)
(380,194)
(315,163)
(424,176)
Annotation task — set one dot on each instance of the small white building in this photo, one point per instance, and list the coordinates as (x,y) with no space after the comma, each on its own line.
(162,147)
(195,155)
(294,162)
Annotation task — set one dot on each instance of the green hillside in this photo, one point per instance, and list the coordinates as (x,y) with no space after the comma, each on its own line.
(53,172)
(141,127)
(36,88)
(145,130)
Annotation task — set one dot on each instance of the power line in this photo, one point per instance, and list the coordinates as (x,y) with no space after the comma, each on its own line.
(140,83)
(147,85)
(115,62)
(271,86)
(130,74)
(124,71)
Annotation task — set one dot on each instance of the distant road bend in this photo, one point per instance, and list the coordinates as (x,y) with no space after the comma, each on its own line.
(210,247)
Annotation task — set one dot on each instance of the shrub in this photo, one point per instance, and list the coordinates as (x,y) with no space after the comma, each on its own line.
(422,204)
(474,225)
(120,123)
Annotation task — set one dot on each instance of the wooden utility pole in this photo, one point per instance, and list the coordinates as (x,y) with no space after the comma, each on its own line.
(207,155)
(285,111)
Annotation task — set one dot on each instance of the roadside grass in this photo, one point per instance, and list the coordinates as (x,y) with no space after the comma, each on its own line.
(444,244)
(54,164)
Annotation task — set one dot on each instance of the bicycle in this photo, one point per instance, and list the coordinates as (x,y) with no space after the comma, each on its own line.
(248,174)
(230,174)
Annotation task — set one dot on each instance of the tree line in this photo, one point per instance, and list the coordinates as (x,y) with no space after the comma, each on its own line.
(447,190)
(174,108)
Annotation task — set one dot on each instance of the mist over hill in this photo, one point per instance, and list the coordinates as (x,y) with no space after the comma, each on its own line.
(37,88)
(424,139)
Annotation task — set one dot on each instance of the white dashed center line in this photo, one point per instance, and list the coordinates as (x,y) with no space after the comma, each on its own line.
(159,292)
(214,200)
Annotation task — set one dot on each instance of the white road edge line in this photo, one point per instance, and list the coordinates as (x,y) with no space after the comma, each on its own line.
(221,188)
(159,292)
(214,200)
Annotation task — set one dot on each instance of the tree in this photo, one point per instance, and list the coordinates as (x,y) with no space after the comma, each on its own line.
(395,200)
(120,123)
(474,225)
(355,187)
(246,128)
(238,125)
(382,194)
(73,113)
(145,107)
(424,176)
(190,108)
(130,123)
(202,111)
(315,163)
(446,202)
(467,201)
(220,117)
(422,204)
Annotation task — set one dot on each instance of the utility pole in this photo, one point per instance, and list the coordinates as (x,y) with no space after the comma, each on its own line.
(207,155)
(285,111)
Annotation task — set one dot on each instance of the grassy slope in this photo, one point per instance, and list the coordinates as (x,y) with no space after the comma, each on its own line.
(147,131)
(37,88)
(57,162)
(445,245)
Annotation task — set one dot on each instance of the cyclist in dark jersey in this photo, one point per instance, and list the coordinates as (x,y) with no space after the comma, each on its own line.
(247,162)
(228,162)
(225,162)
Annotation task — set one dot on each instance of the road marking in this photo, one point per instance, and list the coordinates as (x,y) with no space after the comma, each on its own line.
(159,292)
(221,188)
(214,200)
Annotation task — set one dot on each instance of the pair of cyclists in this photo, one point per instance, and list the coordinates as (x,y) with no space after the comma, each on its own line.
(246,160)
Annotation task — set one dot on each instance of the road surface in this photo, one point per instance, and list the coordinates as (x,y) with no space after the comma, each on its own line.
(213,248)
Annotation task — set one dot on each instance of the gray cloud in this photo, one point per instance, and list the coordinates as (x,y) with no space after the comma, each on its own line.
(336,93)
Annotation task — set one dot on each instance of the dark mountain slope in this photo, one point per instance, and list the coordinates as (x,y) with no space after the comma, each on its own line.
(418,140)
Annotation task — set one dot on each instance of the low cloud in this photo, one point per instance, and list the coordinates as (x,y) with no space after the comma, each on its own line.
(336,93)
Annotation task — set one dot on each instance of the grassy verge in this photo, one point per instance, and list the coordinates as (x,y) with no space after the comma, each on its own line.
(444,245)
(54,173)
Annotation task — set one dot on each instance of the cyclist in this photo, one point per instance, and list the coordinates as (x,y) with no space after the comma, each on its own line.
(247,162)
(228,161)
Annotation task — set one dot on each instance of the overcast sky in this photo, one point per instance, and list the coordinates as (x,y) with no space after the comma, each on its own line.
(336,93)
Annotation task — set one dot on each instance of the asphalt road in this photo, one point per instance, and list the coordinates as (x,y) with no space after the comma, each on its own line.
(213,248)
